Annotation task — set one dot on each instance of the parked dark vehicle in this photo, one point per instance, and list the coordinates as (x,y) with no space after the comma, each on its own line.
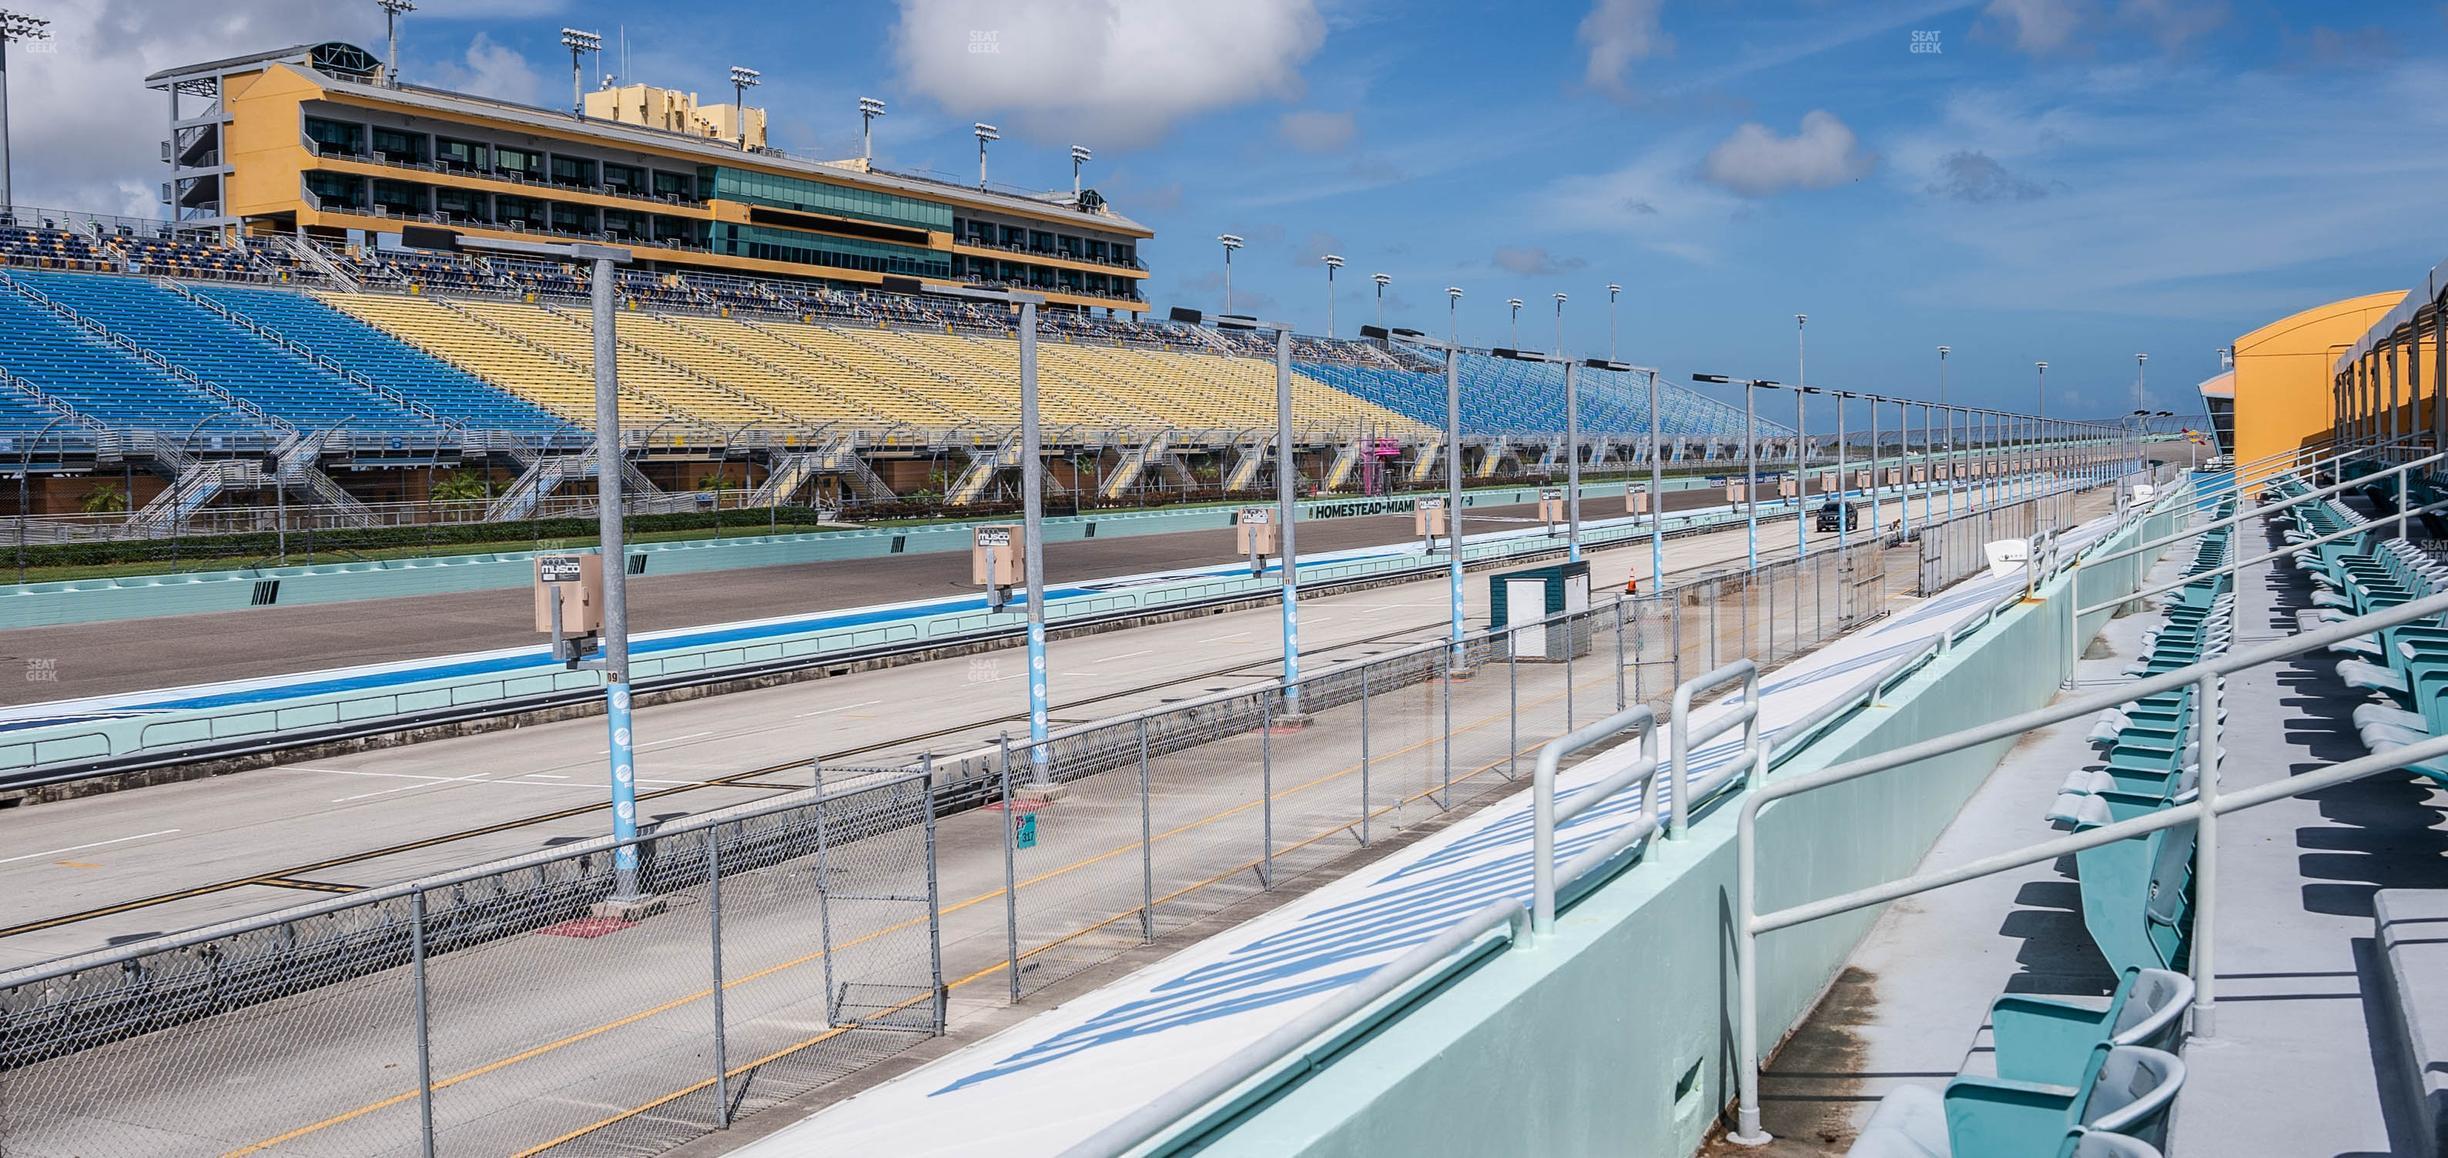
(1835,516)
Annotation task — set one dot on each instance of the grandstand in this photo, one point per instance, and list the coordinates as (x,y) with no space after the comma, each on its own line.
(122,343)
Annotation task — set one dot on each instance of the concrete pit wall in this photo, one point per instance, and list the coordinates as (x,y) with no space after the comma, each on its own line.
(1615,1036)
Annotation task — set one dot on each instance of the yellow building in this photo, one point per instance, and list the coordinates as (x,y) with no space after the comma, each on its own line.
(316,140)
(2285,374)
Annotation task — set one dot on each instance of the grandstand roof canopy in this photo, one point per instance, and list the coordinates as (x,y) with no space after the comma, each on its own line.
(2425,291)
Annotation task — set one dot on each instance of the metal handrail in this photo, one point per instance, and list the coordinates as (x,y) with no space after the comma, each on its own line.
(2232,567)
(1687,794)
(2207,805)
(2263,509)
(1547,815)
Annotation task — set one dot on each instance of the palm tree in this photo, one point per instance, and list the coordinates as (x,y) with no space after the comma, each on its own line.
(461,486)
(104,499)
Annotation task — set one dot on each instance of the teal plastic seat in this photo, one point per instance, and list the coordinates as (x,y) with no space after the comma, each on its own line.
(2047,1040)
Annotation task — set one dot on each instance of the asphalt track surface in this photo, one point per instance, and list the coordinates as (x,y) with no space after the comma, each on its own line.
(138,655)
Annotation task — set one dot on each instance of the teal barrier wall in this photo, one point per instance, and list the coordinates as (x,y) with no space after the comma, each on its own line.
(144,596)
(1615,1035)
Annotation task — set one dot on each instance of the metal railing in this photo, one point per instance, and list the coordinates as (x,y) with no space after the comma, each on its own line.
(2203,810)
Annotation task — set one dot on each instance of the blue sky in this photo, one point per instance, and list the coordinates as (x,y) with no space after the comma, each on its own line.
(2069,180)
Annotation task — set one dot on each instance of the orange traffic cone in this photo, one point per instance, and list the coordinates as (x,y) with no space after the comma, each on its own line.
(1632,583)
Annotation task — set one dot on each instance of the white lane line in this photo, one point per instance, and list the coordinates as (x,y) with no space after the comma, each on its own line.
(478,778)
(1126,655)
(843,708)
(82,847)
(658,743)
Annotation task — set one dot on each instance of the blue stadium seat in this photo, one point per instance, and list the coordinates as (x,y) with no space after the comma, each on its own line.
(272,377)
(104,381)
(381,358)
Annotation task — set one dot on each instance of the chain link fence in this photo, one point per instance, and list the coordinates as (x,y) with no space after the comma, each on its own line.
(523,1008)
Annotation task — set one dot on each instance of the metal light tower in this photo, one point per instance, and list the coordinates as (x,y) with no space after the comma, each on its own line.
(1032,497)
(742,79)
(1382,281)
(15,27)
(1559,345)
(1801,474)
(984,133)
(1572,441)
(1453,322)
(1230,242)
(579,45)
(1750,460)
(1287,499)
(392,11)
(608,515)
(1333,263)
(1612,291)
(1080,155)
(869,109)
(1947,447)
(1515,332)
(2042,367)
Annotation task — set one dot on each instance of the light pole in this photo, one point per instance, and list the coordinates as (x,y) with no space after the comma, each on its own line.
(1382,281)
(742,79)
(17,26)
(608,513)
(25,468)
(1515,333)
(1572,442)
(1947,447)
(1559,341)
(579,45)
(1453,320)
(1657,472)
(869,109)
(1080,156)
(1750,459)
(2029,481)
(1032,498)
(1230,242)
(1287,500)
(1333,263)
(1612,290)
(1453,470)
(392,11)
(984,133)
(1801,476)
(1844,512)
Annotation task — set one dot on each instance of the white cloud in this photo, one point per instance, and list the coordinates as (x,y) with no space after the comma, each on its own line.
(1756,162)
(1118,72)
(85,128)
(1654,200)
(1312,131)
(2153,196)
(492,69)
(2039,26)
(1619,32)
(1535,261)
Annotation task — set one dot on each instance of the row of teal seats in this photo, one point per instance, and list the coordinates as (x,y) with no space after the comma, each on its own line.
(2073,1080)
(2404,669)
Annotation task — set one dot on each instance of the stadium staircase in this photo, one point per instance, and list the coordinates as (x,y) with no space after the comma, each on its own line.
(1492,459)
(1423,465)
(1346,461)
(1250,457)
(1125,474)
(982,471)
(296,458)
(312,257)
